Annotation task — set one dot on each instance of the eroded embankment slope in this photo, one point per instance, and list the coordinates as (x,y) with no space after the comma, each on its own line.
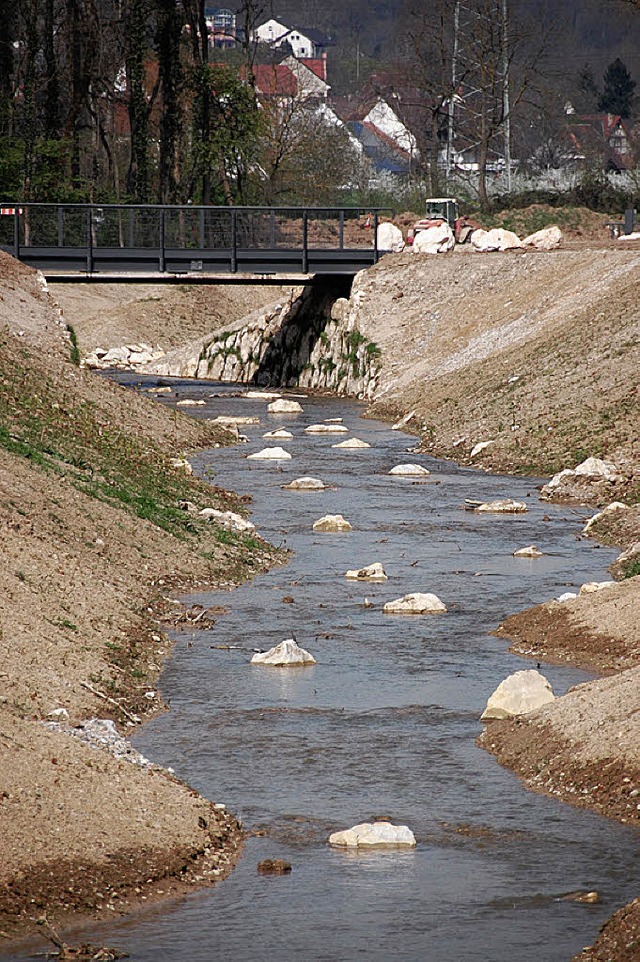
(535,351)
(93,546)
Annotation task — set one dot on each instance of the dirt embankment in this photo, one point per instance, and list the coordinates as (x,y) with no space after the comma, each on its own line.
(94,547)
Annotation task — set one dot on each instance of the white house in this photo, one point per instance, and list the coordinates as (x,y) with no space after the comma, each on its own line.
(311,76)
(384,119)
(304,43)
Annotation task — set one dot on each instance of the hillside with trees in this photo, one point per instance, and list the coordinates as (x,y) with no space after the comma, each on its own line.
(132,101)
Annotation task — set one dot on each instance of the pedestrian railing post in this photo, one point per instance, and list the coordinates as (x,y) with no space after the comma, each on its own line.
(89,241)
(305,242)
(375,237)
(234,241)
(162,256)
(16,232)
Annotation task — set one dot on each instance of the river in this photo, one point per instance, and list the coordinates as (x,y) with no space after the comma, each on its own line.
(384,724)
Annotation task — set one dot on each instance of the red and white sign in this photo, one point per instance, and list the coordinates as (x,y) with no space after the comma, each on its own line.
(9,211)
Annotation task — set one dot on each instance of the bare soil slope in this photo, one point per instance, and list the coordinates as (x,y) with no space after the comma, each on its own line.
(94,545)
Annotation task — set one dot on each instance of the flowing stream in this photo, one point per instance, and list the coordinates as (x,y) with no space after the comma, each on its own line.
(384,724)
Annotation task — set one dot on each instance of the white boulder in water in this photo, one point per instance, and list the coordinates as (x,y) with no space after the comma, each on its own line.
(332,522)
(416,603)
(409,471)
(190,402)
(351,443)
(287,653)
(531,551)
(373,572)
(374,835)
(270,454)
(520,693)
(283,406)
(326,429)
(505,506)
(281,433)
(305,484)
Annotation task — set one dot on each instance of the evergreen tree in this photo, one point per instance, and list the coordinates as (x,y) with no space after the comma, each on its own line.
(617,95)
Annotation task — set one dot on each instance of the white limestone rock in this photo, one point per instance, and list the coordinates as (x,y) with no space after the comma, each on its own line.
(288,654)
(326,429)
(497,239)
(415,603)
(351,444)
(434,240)
(230,420)
(505,506)
(159,390)
(409,471)
(592,586)
(480,446)
(228,519)
(270,454)
(389,238)
(181,464)
(531,551)
(283,406)
(399,425)
(374,835)
(598,469)
(305,484)
(520,693)
(593,470)
(332,522)
(547,239)
(612,508)
(261,395)
(567,596)
(189,402)
(281,433)
(373,572)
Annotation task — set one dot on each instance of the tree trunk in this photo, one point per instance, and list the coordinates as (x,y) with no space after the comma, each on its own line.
(135,19)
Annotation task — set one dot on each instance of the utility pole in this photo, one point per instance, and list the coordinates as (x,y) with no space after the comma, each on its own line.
(506,106)
(454,81)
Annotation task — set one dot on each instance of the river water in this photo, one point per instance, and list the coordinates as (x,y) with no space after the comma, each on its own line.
(384,724)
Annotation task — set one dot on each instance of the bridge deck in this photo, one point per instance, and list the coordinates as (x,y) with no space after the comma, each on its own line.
(205,244)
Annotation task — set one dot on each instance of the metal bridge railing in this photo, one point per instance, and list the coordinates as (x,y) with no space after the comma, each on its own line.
(168,238)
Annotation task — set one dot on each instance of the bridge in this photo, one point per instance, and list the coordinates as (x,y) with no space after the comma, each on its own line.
(188,243)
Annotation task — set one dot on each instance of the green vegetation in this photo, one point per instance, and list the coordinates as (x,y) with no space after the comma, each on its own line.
(74,440)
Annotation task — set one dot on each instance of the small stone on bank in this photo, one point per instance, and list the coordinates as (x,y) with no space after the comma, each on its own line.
(518,694)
